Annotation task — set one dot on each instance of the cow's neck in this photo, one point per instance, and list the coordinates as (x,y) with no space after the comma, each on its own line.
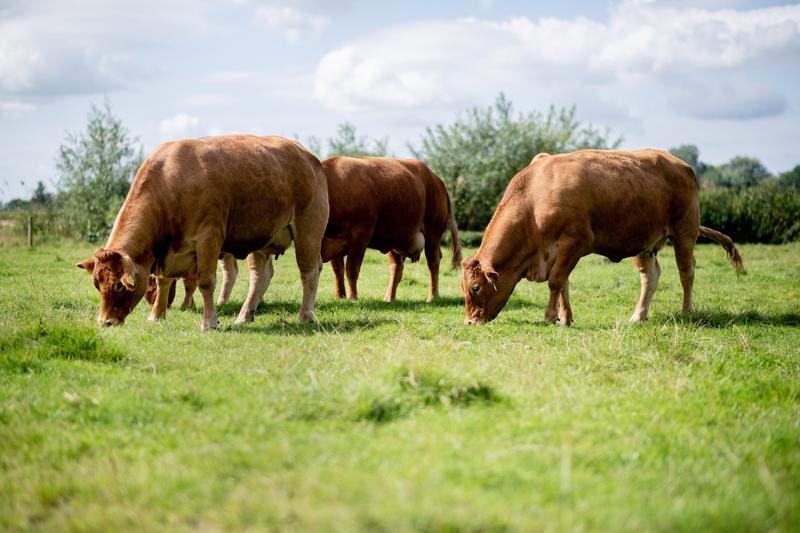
(136,229)
(507,240)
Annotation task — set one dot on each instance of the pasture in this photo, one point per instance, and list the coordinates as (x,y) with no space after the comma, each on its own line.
(397,417)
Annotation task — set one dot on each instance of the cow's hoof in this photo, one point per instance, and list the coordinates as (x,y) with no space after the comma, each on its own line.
(564,323)
(388,299)
(636,318)
(208,325)
(306,318)
(243,318)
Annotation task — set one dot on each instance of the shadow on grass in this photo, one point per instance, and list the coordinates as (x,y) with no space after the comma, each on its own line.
(722,319)
(295,328)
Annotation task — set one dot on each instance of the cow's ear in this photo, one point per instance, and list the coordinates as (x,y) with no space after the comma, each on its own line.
(87,265)
(491,274)
(129,269)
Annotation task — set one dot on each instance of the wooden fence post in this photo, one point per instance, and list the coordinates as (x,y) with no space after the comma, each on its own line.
(30,231)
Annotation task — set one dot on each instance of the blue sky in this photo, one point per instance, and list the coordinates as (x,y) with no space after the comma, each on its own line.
(721,74)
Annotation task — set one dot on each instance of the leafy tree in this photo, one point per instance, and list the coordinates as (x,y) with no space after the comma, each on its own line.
(41,196)
(347,142)
(479,153)
(790,180)
(739,172)
(96,168)
(690,154)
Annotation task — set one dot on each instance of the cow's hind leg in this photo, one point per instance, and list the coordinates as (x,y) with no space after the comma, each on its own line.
(395,275)
(230,269)
(649,271)
(261,272)
(189,286)
(433,256)
(565,315)
(160,304)
(684,257)
(337,264)
(558,280)
(308,232)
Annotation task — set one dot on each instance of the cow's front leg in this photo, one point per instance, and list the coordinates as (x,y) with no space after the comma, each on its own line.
(558,280)
(207,254)
(337,264)
(189,286)
(230,269)
(353,268)
(159,309)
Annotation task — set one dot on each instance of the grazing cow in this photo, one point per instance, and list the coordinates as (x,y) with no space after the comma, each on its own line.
(396,206)
(562,207)
(192,200)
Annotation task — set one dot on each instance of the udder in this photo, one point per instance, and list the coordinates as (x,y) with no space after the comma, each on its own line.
(413,248)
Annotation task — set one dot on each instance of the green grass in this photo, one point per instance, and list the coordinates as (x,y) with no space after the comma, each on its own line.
(397,417)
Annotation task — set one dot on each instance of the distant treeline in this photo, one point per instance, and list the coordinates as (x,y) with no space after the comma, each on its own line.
(476,155)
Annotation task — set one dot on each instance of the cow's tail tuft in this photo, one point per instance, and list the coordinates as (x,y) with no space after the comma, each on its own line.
(727,243)
(455,244)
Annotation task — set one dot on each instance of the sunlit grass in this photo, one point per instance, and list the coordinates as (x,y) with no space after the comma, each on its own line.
(399,417)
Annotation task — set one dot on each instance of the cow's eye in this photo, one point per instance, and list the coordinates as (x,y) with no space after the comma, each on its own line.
(118,287)
(476,288)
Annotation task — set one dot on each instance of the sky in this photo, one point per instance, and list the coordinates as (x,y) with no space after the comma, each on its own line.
(721,74)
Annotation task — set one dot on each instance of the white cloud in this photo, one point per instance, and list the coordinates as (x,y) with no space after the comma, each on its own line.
(180,126)
(14,106)
(642,45)
(290,22)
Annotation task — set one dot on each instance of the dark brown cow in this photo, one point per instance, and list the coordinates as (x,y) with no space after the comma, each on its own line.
(562,207)
(192,200)
(396,206)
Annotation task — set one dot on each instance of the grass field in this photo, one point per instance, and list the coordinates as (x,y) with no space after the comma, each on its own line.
(394,417)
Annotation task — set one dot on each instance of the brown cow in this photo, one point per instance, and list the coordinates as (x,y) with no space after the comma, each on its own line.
(562,207)
(396,206)
(192,200)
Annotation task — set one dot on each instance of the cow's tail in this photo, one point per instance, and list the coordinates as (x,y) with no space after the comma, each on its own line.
(727,243)
(455,244)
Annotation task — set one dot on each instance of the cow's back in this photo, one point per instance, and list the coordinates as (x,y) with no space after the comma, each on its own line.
(627,200)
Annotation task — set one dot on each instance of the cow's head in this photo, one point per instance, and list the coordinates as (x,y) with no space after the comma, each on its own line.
(485,291)
(120,281)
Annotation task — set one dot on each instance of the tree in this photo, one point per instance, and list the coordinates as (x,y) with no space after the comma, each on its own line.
(479,153)
(95,172)
(740,172)
(690,154)
(790,180)
(41,196)
(347,142)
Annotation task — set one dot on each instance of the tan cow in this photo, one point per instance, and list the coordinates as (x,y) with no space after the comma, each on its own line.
(396,206)
(562,207)
(192,200)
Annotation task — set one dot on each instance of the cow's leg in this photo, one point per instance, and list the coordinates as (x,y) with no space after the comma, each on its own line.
(159,309)
(395,275)
(565,314)
(207,253)
(354,259)
(433,256)
(337,264)
(230,269)
(308,231)
(684,257)
(189,286)
(557,280)
(649,271)
(260,275)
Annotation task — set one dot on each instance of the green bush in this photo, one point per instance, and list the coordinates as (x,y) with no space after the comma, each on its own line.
(764,214)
